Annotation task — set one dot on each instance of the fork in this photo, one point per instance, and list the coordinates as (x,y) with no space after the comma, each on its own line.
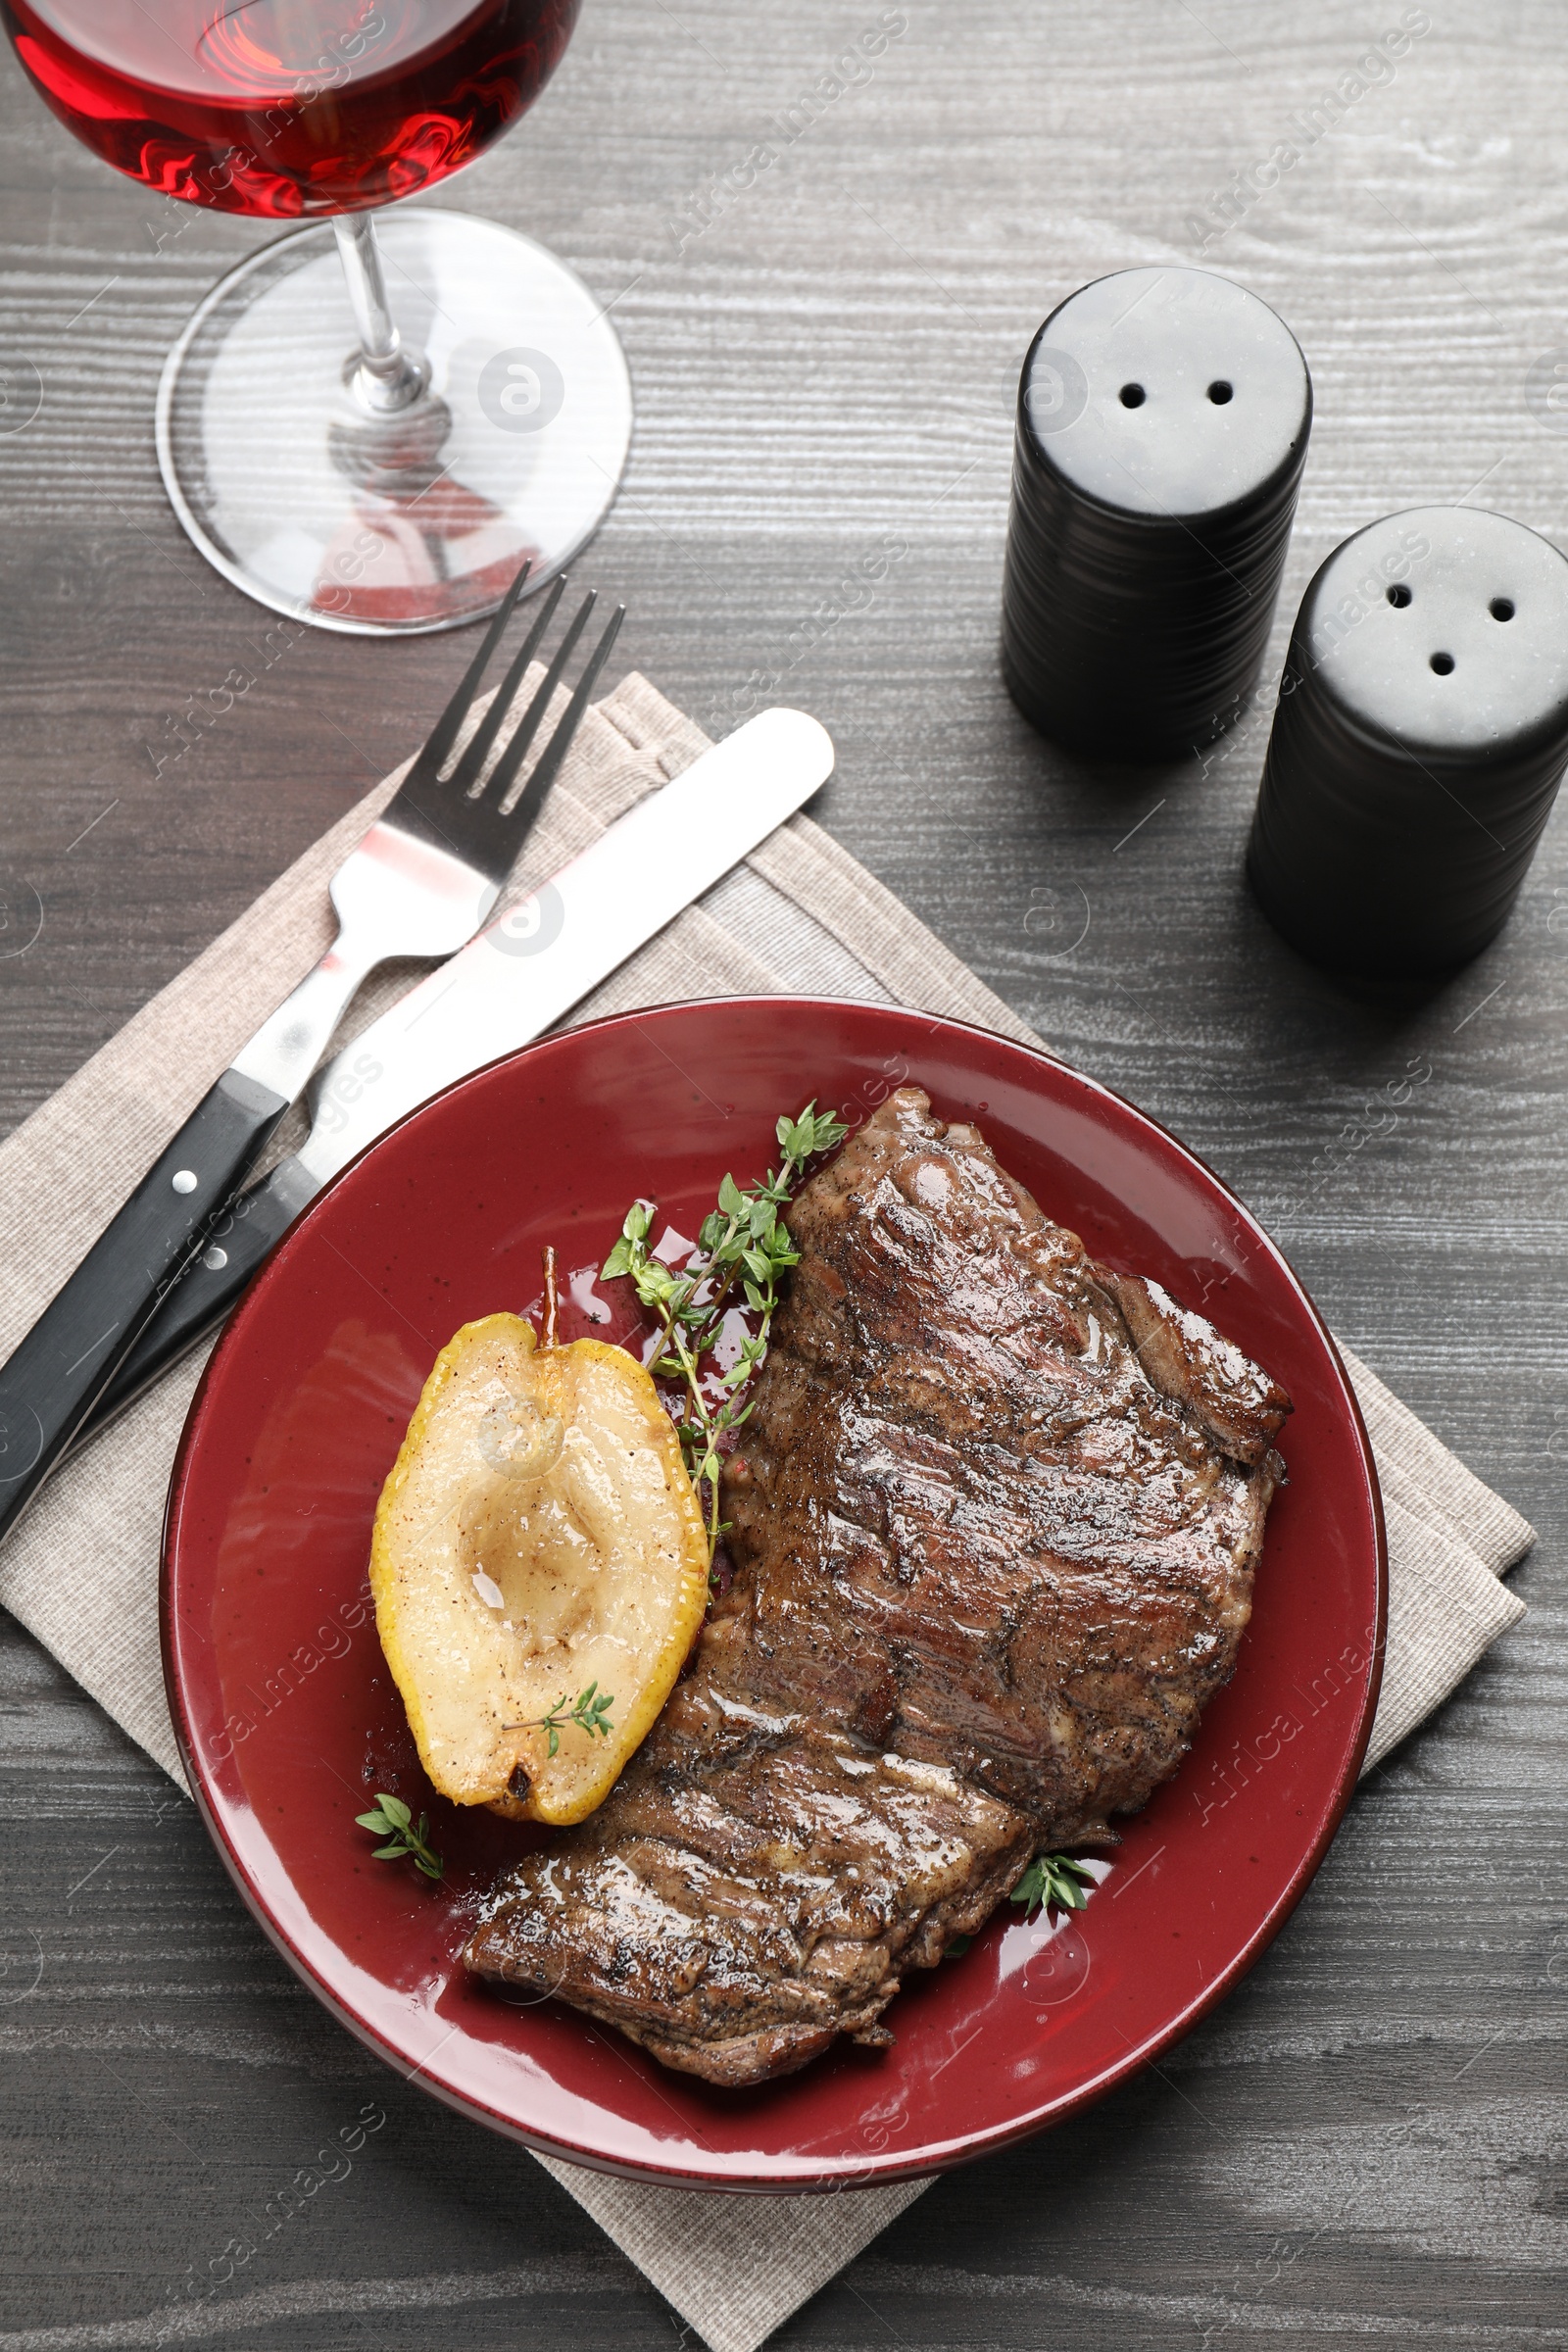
(421,883)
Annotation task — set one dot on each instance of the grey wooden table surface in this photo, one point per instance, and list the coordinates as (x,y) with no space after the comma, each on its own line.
(1370,2140)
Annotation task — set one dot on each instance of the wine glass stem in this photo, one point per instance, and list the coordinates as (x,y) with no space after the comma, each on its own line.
(388,378)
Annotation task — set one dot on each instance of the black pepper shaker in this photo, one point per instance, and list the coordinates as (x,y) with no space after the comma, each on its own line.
(1162,426)
(1421,734)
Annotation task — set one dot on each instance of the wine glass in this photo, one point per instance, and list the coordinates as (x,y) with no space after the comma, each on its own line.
(380,463)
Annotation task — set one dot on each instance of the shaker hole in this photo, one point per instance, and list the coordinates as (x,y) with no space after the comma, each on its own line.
(1219,392)
(1399,595)
(1443,663)
(1502,608)
(1133,396)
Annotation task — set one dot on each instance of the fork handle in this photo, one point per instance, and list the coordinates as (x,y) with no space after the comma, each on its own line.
(49,1383)
(292,1038)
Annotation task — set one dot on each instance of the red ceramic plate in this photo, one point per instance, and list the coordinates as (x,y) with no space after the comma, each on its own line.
(290,1721)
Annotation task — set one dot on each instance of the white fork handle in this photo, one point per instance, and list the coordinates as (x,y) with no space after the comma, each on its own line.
(291,1041)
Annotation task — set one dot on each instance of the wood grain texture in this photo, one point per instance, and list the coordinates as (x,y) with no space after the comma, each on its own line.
(1370,2140)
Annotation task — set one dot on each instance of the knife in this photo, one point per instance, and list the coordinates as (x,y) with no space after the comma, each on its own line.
(509,985)
(419,883)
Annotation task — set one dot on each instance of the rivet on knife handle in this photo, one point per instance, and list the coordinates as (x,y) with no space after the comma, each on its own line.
(51,1382)
(209,1288)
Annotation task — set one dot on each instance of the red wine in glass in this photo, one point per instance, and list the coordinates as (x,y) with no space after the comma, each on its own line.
(376,447)
(289,108)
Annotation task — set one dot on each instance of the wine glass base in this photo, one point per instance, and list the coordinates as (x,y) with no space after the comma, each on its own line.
(300,494)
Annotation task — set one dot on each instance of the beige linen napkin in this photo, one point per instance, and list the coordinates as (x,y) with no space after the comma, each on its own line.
(81,1570)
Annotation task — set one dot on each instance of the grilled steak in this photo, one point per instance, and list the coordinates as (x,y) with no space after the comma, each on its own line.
(995,1526)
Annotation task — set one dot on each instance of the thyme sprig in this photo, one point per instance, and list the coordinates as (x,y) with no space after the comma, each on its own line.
(393,1821)
(742,1246)
(1054,1878)
(589,1710)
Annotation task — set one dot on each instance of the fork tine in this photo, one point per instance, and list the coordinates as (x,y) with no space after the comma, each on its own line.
(433,758)
(470,767)
(556,749)
(516,751)
(472,825)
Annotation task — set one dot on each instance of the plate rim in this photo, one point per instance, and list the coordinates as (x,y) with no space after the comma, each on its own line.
(876,2170)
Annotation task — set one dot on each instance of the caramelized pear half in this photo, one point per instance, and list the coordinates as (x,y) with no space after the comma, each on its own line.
(537,1535)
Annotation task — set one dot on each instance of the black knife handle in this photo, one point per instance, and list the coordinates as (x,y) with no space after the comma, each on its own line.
(236,1243)
(69,1356)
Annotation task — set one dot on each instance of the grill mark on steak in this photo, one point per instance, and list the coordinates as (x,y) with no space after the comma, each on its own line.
(995,1528)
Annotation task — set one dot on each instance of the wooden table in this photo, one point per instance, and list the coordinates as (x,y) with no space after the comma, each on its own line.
(1369,2141)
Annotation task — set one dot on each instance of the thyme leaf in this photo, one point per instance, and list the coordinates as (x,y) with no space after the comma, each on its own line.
(743,1246)
(393,1821)
(589,1710)
(1054,1878)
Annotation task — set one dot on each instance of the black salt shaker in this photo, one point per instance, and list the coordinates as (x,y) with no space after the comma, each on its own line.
(1421,733)
(1162,426)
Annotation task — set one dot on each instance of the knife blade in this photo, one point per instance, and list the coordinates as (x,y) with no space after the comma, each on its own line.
(507,988)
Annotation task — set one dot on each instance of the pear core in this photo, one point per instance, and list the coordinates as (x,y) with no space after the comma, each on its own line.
(537,1534)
